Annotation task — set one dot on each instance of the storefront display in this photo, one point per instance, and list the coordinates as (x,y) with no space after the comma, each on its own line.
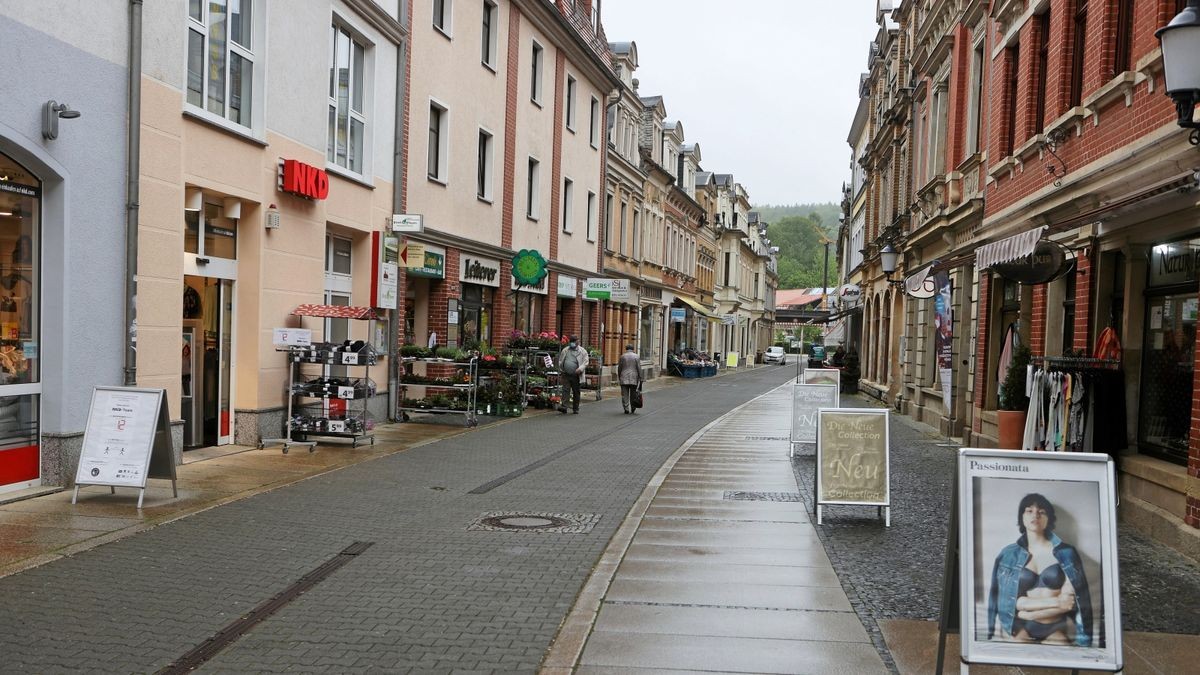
(20,323)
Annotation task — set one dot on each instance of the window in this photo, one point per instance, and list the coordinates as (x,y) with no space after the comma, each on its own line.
(608,222)
(624,210)
(567,203)
(637,253)
(1010,102)
(571,103)
(209,234)
(438,118)
(725,280)
(976,114)
(1078,39)
(591,216)
(595,16)
(594,132)
(220,61)
(442,10)
(488,47)
(483,180)
(347,120)
(1043,65)
(531,190)
(1124,47)
(535,84)
(338,257)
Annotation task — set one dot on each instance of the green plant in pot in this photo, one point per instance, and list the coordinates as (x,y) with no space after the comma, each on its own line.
(1013,404)
(850,372)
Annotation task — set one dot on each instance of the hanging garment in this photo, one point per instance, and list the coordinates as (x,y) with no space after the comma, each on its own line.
(1108,346)
(1078,412)
(1008,347)
(1033,413)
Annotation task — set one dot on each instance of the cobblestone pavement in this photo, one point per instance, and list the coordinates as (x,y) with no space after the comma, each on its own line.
(896,572)
(429,596)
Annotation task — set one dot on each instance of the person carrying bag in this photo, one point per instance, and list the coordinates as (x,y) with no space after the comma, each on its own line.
(629,372)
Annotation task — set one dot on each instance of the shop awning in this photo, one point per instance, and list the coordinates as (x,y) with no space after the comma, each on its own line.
(699,308)
(1009,249)
(337,312)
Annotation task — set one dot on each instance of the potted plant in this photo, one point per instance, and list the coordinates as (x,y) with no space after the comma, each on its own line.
(1013,404)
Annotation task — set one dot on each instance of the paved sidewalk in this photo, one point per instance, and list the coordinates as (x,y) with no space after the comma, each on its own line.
(695,580)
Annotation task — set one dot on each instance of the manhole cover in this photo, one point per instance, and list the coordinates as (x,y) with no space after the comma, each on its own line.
(739,495)
(563,523)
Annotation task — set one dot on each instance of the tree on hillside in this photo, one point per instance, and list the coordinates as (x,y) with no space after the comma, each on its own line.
(826,213)
(801,250)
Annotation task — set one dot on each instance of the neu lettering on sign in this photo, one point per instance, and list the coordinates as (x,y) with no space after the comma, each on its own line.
(305,180)
(474,270)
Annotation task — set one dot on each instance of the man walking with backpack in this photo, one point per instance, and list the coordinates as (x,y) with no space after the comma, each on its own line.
(572,361)
(629,372)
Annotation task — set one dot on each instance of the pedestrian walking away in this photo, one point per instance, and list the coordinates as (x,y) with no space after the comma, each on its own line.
(629,372)
(572,361)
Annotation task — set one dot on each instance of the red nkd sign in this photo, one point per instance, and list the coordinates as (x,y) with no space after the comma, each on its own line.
(305,180)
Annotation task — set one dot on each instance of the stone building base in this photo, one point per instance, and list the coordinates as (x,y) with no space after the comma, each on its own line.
(60,454)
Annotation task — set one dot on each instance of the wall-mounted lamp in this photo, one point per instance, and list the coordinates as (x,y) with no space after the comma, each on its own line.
(888,257)
(233,208)
(1180,41)
(51,112)
(193,199)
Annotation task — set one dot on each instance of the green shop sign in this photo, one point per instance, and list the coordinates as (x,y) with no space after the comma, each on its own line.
(528,267)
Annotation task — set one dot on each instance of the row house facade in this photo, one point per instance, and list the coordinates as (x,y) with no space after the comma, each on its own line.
(1042,128)
(509,100)
(241,182)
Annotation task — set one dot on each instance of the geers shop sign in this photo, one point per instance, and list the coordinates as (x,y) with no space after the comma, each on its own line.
(1173,264)
(482,271)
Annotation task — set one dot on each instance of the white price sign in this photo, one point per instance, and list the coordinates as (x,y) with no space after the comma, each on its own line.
(349,358)
(345,392)
(337,426)
(292,337)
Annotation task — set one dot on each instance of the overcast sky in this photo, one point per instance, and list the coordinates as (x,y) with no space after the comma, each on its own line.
(768,88)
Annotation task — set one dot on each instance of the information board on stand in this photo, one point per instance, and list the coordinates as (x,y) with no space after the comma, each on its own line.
(821,376)
(807,400)
(127,440)
(1065,500)
(853,460)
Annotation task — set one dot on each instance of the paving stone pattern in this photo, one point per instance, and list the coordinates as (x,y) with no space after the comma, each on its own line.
(429,596)
(896,572)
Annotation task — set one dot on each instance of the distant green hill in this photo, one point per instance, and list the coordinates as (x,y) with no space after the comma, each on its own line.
(827,213)
(798,230)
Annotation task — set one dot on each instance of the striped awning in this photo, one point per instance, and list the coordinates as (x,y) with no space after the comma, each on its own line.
(336,312)
(1010,249)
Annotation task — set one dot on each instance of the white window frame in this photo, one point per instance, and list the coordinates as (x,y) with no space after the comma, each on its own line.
(446,27)
(637,252)
(255,55)
(594,133)
(489,32)
(591,216)
(338,27)
(568,204)
(538,58)
(608,221)
(975,106)
(338,282)
(443,150)
(572,85)
(533,188)
(485,164)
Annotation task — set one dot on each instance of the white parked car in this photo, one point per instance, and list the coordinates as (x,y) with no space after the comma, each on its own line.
(775,355)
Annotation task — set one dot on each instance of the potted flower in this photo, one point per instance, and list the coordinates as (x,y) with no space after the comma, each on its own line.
(1013,404)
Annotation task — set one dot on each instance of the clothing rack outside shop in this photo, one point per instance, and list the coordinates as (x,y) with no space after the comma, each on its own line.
(1076,362)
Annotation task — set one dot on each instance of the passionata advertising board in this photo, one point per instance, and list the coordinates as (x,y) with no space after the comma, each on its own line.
(1064,534)
(852,457)
(807,400)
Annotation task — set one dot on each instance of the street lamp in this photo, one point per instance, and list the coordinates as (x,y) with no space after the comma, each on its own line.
(888,257)
(1181,53)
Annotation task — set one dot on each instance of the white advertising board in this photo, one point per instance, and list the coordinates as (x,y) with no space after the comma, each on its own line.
(807,399)
(291,337)
(127,439)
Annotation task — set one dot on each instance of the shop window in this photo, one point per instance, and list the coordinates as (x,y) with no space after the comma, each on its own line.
(1068,316)
(475,316)
(527,312)
(345,146)
(221,58)
(20,283)
(1168,365)
(209,234)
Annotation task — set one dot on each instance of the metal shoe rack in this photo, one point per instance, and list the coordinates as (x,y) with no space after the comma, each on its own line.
(334,421)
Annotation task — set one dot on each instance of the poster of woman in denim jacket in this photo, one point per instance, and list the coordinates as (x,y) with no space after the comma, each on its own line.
(1039,559)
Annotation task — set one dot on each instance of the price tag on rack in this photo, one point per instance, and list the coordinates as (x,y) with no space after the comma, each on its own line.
(292,337)
(548,361)
(349,358)
(345,392)
(337,426)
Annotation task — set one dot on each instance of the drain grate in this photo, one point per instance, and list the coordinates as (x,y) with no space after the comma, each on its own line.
(528,521)
(768,438)
(738,495)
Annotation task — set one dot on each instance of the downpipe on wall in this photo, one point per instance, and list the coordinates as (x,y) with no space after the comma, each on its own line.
(133,103)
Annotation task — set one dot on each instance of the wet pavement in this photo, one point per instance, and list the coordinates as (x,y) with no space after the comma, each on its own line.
(893,575)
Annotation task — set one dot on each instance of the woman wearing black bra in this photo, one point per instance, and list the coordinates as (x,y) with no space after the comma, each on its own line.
(1039,590)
